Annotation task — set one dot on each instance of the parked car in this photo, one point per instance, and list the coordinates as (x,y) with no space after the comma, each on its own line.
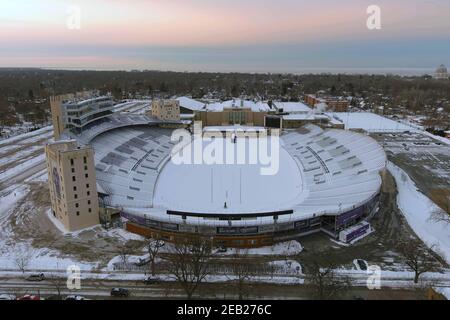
(29,297)
(36,277)
(151,280)
(75,297)
(362,264)
(221,250)
(120,292)
(142,262)
(7,296)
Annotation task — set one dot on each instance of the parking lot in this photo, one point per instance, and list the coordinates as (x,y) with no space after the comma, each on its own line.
(427,162)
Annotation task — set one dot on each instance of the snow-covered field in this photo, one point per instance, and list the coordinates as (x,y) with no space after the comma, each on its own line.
(21,167)
(11,252)
(288,248)
(418,211)
(370,122)
(207,187)
(23,154)
(39,132)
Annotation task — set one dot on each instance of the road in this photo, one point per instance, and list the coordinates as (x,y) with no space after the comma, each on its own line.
(100,289)
(98,284)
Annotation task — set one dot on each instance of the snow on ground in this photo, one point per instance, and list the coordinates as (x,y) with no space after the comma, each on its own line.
(288,266)
(26,135)
(444,291)
(9,198)
(38,259)
(130,259)
(441,139)
(11,251)
(58,224)
(418,210)
(28,163)
(370,122)
(48,136)
(123,234)
(288,248)
(19,155)
(40,176)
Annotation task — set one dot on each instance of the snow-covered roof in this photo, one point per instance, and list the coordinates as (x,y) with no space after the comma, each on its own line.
(258,106)
(190,103)
(293,107)
(370,122)
(305,116)
(235,127)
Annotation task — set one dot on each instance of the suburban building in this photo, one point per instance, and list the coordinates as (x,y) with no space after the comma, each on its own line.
(441,73)
(231,112)
(332,103)
(72,184)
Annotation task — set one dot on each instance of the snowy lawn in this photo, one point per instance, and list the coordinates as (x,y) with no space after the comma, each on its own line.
(418,210)
(288,248)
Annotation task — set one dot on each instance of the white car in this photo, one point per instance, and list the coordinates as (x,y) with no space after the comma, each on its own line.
(6,296)
(75,297)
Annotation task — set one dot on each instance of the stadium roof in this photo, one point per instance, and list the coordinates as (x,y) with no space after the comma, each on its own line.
(190,103)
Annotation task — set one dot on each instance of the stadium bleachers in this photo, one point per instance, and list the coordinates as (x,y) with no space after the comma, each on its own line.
(128,161)
(339,167)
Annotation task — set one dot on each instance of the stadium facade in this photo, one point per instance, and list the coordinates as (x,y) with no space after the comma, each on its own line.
(336,175)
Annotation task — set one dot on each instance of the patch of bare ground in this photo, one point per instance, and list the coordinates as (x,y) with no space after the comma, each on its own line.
(30,222)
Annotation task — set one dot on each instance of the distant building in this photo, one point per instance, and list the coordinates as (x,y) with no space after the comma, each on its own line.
(168,110)
(441,73)
(333,103)
(232,112)
(72,184)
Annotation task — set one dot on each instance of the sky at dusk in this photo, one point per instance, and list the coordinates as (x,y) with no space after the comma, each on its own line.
(219,35)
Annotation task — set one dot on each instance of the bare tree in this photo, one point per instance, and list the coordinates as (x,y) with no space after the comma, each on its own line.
(153,250)
(124,251)
(325,281)
(418,259)
(442,214)
(58,283)
(187,262)
(242,270)
(22,260)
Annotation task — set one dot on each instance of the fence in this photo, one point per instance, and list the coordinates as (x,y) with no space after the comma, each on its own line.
(213,268)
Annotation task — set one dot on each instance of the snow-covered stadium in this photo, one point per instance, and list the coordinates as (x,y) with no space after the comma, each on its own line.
(328,180)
